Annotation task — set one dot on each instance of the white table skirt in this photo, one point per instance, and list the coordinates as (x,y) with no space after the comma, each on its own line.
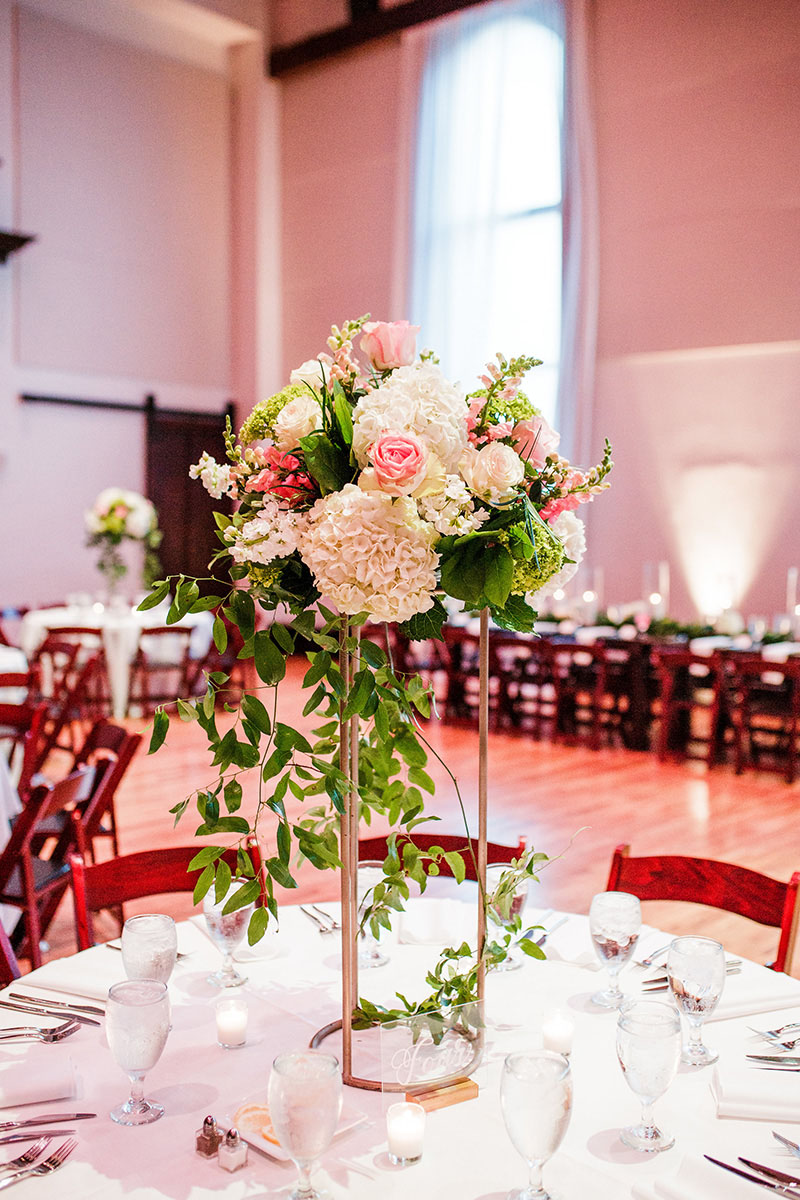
(293,989)
(121,630)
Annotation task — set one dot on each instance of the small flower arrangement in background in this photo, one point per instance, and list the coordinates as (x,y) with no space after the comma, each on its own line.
(119,515)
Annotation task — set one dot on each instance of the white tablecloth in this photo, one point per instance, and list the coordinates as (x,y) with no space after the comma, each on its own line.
(9,807)
(293,989)
(121,630)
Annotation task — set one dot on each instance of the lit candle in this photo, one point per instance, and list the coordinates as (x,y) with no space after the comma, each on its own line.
(405,1131)
(231,1016)
(557,1032)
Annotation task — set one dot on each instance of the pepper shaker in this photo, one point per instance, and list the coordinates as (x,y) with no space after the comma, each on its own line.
(208,1138)
(232,1153)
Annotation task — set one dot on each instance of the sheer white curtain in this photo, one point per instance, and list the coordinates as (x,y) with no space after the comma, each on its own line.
(487,241)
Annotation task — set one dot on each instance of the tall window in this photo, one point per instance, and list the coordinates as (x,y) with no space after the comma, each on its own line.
(487,240)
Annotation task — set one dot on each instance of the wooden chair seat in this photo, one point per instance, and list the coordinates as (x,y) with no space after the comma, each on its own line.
(373,849)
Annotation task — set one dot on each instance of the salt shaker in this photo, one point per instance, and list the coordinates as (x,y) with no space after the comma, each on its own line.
(208,1138)
(232,1153)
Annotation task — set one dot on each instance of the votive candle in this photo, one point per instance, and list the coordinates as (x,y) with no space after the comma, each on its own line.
(231,1014)
(558,1031)
(405,1132)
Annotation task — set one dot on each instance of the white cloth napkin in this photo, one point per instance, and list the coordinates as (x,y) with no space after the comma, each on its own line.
(90,975)
(37,1080)
(756,990)
(697,1179)
(750,1093)
(437,922)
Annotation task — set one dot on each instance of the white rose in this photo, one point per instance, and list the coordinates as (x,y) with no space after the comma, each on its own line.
(296,420)
(314,371)
(494,472)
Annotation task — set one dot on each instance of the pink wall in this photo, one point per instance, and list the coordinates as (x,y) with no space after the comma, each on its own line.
(698,368)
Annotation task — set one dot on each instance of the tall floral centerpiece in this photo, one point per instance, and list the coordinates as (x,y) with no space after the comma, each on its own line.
(117,516)
(368,490)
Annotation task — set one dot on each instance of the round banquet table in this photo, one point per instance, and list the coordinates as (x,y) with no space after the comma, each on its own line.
(293,989)
(121,628)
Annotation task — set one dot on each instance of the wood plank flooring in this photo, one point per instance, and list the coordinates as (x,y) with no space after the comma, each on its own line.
(571,802)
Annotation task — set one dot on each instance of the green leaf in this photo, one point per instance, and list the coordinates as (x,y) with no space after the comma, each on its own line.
(283,637)
(363,686)
(284,842)
(208,854)
(280,873)
(186,712)
(516,615)
(159,593)
(409,748)
(373,655)
(423,626)
(242,611)
(203,884)
(233,795)
(319,666)
(219,634)
(314,700)
(255,711)
(270,662)
(343,415)
(530,948)
(456,864)
(160,730)
(499,575)
(222,882)
(422,779)
(246,894)
(329,464)
(257,926)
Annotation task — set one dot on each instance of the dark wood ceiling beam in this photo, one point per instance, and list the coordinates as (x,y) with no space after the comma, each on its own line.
(368,22)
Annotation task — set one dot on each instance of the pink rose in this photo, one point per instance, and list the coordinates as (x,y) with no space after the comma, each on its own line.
(399,460)
(534,440)
(389,344)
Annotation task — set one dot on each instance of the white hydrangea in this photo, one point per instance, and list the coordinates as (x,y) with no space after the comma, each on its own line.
(370,552)
(274,533)
(419,400)
(452,510)
(571,532)
(217,478)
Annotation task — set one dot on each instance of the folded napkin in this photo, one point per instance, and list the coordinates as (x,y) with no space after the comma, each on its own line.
(90,975)
(437,922)
(756,990)
(697,1179)
(37,1080)
(750,1093)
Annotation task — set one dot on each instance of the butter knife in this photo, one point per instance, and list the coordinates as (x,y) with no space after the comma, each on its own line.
(55,1003)
(31,1135)
(772,1172)
(41,1011)
(780,1060)
(782,1188)
(47,1119)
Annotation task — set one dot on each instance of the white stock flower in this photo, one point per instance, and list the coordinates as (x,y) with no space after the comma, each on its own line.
(419,400)
(313,371)
(494,472)
(371,553)
(296,420)
(570,531)
(451,510)
(272,534)
(216,478)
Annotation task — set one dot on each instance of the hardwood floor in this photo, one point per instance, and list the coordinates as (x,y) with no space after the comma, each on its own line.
(573,803)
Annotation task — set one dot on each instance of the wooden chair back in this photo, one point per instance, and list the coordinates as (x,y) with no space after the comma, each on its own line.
(376,848)
(34,750)
(157,677)
(9,967)
(132,876)
(717,884)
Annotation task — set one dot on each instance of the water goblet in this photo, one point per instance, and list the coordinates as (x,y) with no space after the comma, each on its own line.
(368,876)
(227,931)
(615,919)
(649,1050)
(305,1100)
(137,1024)
(696,973)
(149,946)
(536,1099)
(508,902)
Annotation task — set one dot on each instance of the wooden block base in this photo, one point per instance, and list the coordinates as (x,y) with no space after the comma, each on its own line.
(442,1097)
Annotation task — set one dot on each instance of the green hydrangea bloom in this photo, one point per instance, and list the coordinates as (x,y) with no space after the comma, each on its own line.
(264,576)
(531,573)
(518,409)
(261,422)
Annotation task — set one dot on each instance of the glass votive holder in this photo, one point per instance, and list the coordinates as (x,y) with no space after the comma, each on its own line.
(405,1132)
(558,1031)
(231,1017)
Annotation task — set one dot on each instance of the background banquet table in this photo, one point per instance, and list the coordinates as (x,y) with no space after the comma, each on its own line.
(122,627)
(293,989)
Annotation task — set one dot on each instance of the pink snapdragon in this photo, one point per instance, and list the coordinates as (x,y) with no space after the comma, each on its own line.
(389,344)
(399,461)
(535,439)
(282,478)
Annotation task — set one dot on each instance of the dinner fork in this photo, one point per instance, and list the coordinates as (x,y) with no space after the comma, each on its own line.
(787,1142)
(33,1033)
(30,1155)
(45,1167)
(774,1040)
(321,925)
(326,916)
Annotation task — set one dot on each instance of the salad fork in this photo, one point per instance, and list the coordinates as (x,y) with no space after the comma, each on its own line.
(45,1167)
(29,1157)
(33,1033)
(327,916)
(774,1039)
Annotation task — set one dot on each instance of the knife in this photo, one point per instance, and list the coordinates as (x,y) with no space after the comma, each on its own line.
(55,1003)
(47,1119)
(31,1135)
(780,1176)
(782,1188)
(781,1060)
(47,1012)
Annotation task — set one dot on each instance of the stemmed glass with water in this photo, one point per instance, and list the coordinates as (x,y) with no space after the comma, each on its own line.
(536,1099)
(137,1024)
(615,919)
(305,1100)
(149,946)
(649,1050)
(226,931)
(368,876)
(508,900)
(696,973)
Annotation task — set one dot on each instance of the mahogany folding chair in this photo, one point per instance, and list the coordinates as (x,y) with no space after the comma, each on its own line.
(690,705)
(32,883)
(34,750)
(112,883)
(9,967)
(762,700)
(373,849)
(717,884)
(162,667)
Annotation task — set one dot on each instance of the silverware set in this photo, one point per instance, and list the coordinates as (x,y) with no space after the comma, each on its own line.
(45,1167)
(35,1033)
(50,1009)
(774,1036)
(53,1002)
(323,920)
(768,1177)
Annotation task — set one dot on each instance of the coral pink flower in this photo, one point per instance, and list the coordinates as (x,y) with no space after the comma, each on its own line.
(389,344)
(399,460)
(281,478)
(554,508)
(534,439)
